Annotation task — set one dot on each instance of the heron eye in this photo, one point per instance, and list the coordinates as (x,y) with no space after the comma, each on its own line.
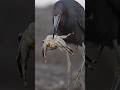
(43,41)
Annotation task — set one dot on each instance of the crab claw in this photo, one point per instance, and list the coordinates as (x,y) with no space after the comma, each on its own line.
(44,50)
(65,36)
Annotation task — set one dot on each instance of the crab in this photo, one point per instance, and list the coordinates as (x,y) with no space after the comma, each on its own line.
(54,43)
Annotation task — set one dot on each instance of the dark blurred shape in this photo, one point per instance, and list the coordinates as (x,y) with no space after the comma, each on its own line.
(15,15)
(26,42)
(102,29)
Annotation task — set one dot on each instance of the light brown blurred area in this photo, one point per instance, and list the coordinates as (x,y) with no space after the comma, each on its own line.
(53,75)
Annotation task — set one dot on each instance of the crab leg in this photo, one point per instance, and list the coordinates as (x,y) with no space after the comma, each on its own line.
(68,71)
(67,48)
(44,50)
(65,36)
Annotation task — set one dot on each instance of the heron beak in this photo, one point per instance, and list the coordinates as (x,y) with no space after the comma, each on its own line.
(53,36)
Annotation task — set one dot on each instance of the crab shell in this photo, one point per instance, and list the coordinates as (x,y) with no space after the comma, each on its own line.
(53,43)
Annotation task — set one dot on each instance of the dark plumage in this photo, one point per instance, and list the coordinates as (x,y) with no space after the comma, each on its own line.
(72,20)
